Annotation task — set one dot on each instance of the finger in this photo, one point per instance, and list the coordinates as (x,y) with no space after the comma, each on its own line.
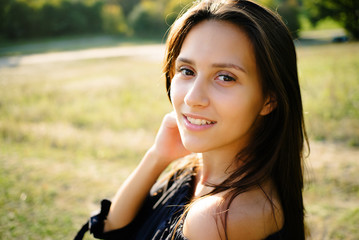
(170,120)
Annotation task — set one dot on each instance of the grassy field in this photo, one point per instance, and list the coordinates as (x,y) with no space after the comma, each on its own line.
(329,76)
(71,132)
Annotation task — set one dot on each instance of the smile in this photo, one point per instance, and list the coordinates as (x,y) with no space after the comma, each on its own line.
(199,122)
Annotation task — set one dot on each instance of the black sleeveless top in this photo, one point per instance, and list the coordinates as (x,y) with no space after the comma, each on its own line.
(160,215)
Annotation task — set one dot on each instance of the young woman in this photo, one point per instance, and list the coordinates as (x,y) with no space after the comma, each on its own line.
(236,134)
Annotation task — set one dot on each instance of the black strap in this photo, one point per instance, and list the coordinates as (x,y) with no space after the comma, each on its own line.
(96,222)
(80,235)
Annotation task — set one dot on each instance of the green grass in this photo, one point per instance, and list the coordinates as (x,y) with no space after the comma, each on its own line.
(332,192)
(70,133)
(329,76)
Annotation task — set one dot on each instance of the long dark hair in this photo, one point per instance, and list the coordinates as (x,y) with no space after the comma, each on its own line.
(275,150)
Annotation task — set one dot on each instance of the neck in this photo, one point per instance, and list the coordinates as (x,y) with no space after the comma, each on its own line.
(215,168)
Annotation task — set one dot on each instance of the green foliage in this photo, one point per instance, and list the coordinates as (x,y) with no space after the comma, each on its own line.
(15,26)
(127,5)
(23,20)
(174,8)
(289,11)
(324,24)
(343,11)
(290,14)
(147,20)
(113,20)
(268,3)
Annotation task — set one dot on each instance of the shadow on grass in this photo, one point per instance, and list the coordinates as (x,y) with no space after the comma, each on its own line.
(10,48)
(68,43)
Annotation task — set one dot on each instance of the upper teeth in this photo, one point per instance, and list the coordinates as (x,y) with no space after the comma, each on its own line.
(198,121)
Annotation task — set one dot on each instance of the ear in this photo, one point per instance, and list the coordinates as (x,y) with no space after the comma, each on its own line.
(270,104)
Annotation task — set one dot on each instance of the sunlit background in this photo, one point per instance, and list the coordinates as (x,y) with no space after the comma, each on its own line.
(82,96)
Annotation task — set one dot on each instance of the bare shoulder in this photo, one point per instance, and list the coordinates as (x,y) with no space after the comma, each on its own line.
(201,221)
(253,216)
(250,216)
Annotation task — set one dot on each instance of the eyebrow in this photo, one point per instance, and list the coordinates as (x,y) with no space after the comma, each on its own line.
(216,65)
(229,65)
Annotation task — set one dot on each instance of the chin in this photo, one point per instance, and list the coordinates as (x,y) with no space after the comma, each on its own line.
(194,147)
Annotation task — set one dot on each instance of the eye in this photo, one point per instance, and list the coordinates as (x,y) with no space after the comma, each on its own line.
(186,72)
(226,78)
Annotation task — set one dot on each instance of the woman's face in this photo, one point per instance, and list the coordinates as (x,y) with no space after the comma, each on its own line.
(216,91)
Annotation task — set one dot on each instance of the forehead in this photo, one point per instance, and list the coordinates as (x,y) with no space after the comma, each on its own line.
(215,42)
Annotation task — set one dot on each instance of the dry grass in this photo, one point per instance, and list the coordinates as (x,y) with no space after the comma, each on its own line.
(332,191)
(71,132)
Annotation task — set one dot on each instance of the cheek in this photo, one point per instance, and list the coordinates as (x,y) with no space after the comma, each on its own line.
(177,93)
(244,107)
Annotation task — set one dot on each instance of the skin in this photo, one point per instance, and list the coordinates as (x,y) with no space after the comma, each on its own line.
(216,79)
(216,82)
(130,196)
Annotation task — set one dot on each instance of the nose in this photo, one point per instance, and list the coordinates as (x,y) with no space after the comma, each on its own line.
(197,95)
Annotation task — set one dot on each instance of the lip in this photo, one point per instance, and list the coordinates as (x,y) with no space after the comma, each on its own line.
(193,127)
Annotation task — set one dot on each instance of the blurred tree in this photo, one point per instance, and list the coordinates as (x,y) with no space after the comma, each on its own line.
(94,16)
(54,24)
(66,18)
(113,19)
(128,5)
(346,12)
(288,10)
(18,20)
(268,3)
(4,8)
(74,19)
(39,18)
(147,19)
(175,8)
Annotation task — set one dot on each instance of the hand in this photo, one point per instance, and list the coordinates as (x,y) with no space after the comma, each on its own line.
(168,144)
(131,195)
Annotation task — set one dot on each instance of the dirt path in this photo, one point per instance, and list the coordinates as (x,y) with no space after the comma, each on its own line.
(152,52)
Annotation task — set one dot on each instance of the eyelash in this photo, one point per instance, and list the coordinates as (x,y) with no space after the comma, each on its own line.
(228,77)
(188,72)
(182,70)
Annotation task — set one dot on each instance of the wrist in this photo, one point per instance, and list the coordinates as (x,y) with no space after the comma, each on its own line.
(153,159)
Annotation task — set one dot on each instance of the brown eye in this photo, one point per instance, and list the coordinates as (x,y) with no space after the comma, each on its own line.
(186,72)
(226,78)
